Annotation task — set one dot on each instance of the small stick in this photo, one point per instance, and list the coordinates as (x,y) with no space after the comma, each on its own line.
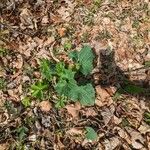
(51,53)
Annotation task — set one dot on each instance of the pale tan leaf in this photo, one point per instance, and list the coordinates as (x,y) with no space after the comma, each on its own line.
(45,106)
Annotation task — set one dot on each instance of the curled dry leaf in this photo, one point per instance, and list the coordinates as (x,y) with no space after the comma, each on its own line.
(45,106)
(134,112)
(124,135)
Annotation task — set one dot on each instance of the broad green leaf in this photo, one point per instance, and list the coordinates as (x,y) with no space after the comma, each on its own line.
(63,87)
(85,94)
(86,57)
(91,134)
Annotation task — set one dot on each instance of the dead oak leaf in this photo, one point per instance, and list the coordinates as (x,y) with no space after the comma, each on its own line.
(73,109)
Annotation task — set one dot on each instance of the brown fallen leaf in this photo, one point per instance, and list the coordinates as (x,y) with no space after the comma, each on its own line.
(19,63)
(90,112)
(103,98)
(45,106)
(137,140)
(144,128)
(4,146)
(107,114)
(13,95)
(61,31)
(27,19)
(45,20)
(112,143)
(73,109)
(75,131)
(124,135)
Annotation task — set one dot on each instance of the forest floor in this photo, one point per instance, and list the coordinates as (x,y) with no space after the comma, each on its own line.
(31,30)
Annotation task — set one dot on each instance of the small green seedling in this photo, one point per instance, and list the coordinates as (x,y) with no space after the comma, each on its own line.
(37,90)
(147,117)
(22,132)
(26,102)
(61,102)
(2,83)
(67,46)
(66,83)
(2,51)
(147,64)
(91,134)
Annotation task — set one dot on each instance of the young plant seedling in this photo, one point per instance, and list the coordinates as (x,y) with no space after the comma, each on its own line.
(66,84)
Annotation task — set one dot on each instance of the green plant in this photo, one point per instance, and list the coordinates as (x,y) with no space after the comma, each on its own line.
(67,45)
(63,78)
(11,108)
(2,51)
(84,58)
(26,102)
(91,134)
(147,117)
(147,64)
(37,89)
(22,132)
(61,102)
(2,83)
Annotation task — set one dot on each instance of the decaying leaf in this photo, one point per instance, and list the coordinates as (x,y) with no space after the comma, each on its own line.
(75,131)
(73,109)
(45,106)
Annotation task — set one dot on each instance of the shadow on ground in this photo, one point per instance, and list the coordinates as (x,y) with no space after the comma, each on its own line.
(113,75)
